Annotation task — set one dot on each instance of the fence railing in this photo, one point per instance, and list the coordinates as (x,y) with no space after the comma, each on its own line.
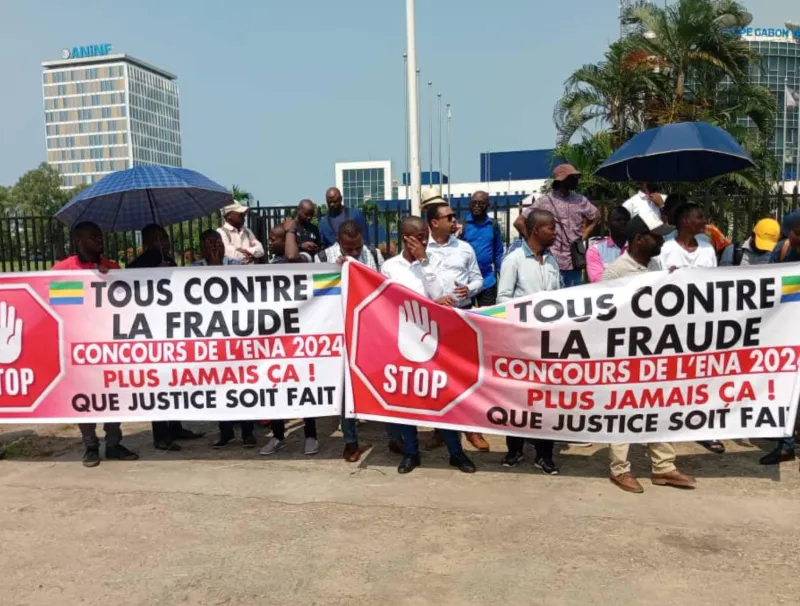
(32,243)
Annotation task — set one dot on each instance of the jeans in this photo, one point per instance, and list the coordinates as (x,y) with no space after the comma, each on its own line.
(226,429)
(279,428)
(544,448)
(350,433)
(487,297)
(571,277)
(451,439)
(89,434)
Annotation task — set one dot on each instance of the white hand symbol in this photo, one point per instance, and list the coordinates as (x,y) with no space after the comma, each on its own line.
(10,334)
(418,336)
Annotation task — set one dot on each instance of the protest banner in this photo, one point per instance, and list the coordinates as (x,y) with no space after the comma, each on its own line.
(246,342)
(691,355)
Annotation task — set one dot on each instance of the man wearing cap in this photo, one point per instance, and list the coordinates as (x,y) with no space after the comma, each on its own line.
(240,243)
(337,214)
(756,250)
(576,218)
(645,238)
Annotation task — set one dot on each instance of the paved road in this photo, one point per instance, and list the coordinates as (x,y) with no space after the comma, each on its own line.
(231,528)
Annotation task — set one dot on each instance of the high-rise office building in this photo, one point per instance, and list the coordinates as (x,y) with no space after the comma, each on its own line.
(779,71)
(106,112)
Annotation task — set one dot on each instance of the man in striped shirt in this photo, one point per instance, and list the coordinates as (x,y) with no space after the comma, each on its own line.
(604,252)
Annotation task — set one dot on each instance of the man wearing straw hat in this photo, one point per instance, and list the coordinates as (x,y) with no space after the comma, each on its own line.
(240,243)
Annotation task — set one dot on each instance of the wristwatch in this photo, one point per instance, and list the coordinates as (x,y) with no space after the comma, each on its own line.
(292,231)
(424,262)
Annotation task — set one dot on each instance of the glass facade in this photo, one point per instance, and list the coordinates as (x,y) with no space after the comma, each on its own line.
(361,185)
(781,67)
(109,117)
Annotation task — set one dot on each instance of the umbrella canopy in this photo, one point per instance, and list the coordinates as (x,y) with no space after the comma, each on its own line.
(687,151)
(132,199)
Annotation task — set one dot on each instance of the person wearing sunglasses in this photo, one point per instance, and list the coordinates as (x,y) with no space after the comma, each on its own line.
(458,265)
(460,274)
(158,253)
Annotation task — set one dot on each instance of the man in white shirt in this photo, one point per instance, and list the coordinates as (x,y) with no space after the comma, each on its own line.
(240,243)
(460,273)
(412,268)
(456,261)
(416,272)
(690,248)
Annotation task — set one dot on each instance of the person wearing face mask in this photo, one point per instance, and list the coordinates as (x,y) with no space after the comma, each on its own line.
(576,218)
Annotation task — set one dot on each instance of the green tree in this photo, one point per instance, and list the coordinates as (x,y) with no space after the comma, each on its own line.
(241,195)
(38,192)
(609,95)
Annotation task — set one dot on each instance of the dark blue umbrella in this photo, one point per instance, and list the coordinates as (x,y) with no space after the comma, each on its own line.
(132,199)
(688,151)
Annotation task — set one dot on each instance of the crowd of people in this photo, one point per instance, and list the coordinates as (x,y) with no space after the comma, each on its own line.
(463,266)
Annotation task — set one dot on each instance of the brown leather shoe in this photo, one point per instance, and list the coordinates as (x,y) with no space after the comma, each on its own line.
(627,482)
(396,446)
(434,442)
(352,452)
(674,478)
(478,441)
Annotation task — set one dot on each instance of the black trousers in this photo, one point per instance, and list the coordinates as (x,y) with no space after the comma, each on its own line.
(487,297)
(165,431)
(279,428)
(544,448)
(226,428)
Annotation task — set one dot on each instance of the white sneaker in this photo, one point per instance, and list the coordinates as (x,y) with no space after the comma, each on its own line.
(311,446)
(273,446)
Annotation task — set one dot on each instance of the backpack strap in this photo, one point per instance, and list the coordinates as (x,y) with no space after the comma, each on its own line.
(374,253)
(784,250)
(738,253)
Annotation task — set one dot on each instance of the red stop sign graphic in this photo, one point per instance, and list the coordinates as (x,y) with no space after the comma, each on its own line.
(30,349)
(431,387)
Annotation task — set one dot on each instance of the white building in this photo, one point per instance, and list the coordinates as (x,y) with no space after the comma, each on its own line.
(362,182)
(106,112)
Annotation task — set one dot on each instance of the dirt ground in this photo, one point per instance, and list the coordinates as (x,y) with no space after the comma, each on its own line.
(232,528)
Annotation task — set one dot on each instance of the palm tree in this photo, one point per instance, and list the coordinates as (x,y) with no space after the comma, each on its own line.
(688,41)
(609,94)
(241,195)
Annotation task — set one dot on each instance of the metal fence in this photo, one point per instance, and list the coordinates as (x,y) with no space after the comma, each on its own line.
(30,243)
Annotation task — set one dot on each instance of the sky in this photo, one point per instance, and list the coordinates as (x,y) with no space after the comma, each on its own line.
(273,93)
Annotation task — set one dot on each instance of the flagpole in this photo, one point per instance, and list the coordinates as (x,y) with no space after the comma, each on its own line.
(413,104)
(406,175)
(449,141)
(785,122)
(439,97)
(430,133)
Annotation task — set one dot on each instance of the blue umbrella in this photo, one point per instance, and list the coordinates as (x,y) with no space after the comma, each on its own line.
(687,151)
(132,199)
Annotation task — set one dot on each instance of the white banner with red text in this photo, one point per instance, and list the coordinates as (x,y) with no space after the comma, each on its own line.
(205,343)
(691,355)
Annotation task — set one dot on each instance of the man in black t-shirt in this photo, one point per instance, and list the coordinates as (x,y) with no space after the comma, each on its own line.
(308,236)
(158,253)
